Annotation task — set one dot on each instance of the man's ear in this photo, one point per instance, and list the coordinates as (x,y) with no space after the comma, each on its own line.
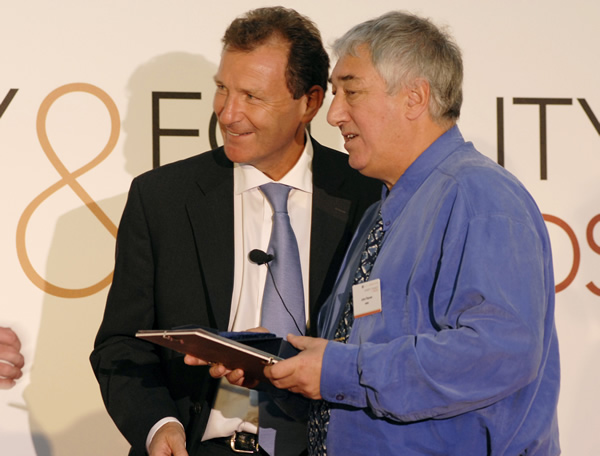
(314,101)
(418,99)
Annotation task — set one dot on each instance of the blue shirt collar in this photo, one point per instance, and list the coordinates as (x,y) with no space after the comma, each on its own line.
(394,200)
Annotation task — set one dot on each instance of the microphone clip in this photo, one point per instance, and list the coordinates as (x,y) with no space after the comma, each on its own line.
(260,257)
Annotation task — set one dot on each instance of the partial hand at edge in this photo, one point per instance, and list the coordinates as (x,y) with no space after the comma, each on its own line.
(11,367)
(169,440)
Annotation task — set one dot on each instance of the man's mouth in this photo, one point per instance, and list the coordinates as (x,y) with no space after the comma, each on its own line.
(235,135)
(349,137)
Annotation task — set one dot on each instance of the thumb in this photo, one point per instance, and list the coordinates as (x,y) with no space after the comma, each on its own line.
(300,342)
(178,447)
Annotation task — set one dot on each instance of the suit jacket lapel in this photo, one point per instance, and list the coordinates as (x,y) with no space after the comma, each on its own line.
(330,214)
(210,210)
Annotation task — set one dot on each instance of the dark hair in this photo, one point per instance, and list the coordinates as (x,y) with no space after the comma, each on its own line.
(308,62)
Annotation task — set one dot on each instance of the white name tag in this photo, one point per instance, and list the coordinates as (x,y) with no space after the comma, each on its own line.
(367,298)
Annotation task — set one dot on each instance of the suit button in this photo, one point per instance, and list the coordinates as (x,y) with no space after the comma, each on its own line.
(340,397)
(196,408)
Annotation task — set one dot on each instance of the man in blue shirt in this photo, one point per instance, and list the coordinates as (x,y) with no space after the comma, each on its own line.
(451,346)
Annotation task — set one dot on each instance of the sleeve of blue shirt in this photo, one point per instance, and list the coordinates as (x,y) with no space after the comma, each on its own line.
(464,337)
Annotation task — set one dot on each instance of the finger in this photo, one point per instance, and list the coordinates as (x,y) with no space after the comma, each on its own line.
(300,342)
(299,385)
(12,356)
(10,338)
(178,448)
(286,382)
(218,371)
(6,383)
(259,329)
(281,370)
(10,372)
(236,377)
(193,361)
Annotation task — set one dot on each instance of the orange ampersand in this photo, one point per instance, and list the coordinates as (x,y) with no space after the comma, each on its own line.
(70,179)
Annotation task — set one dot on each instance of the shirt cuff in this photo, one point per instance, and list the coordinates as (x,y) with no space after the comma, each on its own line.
(157,426)
(340,381)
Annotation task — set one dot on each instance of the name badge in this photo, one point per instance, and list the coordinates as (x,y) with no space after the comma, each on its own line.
(367,298)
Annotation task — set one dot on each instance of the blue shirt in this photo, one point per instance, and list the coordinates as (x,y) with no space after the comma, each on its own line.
(463,358)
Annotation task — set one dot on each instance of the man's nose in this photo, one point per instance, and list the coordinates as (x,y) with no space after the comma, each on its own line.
(336,114)
(228,110)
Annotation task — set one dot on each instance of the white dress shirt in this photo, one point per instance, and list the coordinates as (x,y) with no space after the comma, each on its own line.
(235,408)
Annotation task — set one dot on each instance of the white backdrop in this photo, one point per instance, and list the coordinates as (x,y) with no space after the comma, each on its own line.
(85,71)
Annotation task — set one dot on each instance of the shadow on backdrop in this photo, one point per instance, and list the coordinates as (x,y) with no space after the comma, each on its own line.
(67,417)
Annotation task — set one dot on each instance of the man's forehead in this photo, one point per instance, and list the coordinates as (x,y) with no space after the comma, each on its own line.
(343,78)
(349,69)
(352,66)
(271,53)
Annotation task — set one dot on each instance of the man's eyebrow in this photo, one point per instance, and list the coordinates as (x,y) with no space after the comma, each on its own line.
(347,77)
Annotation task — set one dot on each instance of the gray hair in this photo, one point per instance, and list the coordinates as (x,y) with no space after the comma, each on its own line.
(405,47)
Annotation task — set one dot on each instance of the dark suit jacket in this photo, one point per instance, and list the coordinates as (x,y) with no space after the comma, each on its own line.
(174,266)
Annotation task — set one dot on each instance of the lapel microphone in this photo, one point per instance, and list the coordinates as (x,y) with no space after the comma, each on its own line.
(261,257)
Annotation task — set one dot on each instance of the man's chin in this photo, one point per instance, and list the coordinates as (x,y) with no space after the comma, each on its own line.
(364,169)
(356,163)
(241,155)
(235,154)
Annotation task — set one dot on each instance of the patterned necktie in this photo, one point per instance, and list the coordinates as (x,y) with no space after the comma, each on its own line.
(318,420)
(282,313)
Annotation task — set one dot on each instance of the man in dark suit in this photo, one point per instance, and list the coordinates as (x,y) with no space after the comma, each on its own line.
(188,226)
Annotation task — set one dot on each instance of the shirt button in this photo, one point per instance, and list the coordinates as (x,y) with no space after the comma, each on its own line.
(339,397)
